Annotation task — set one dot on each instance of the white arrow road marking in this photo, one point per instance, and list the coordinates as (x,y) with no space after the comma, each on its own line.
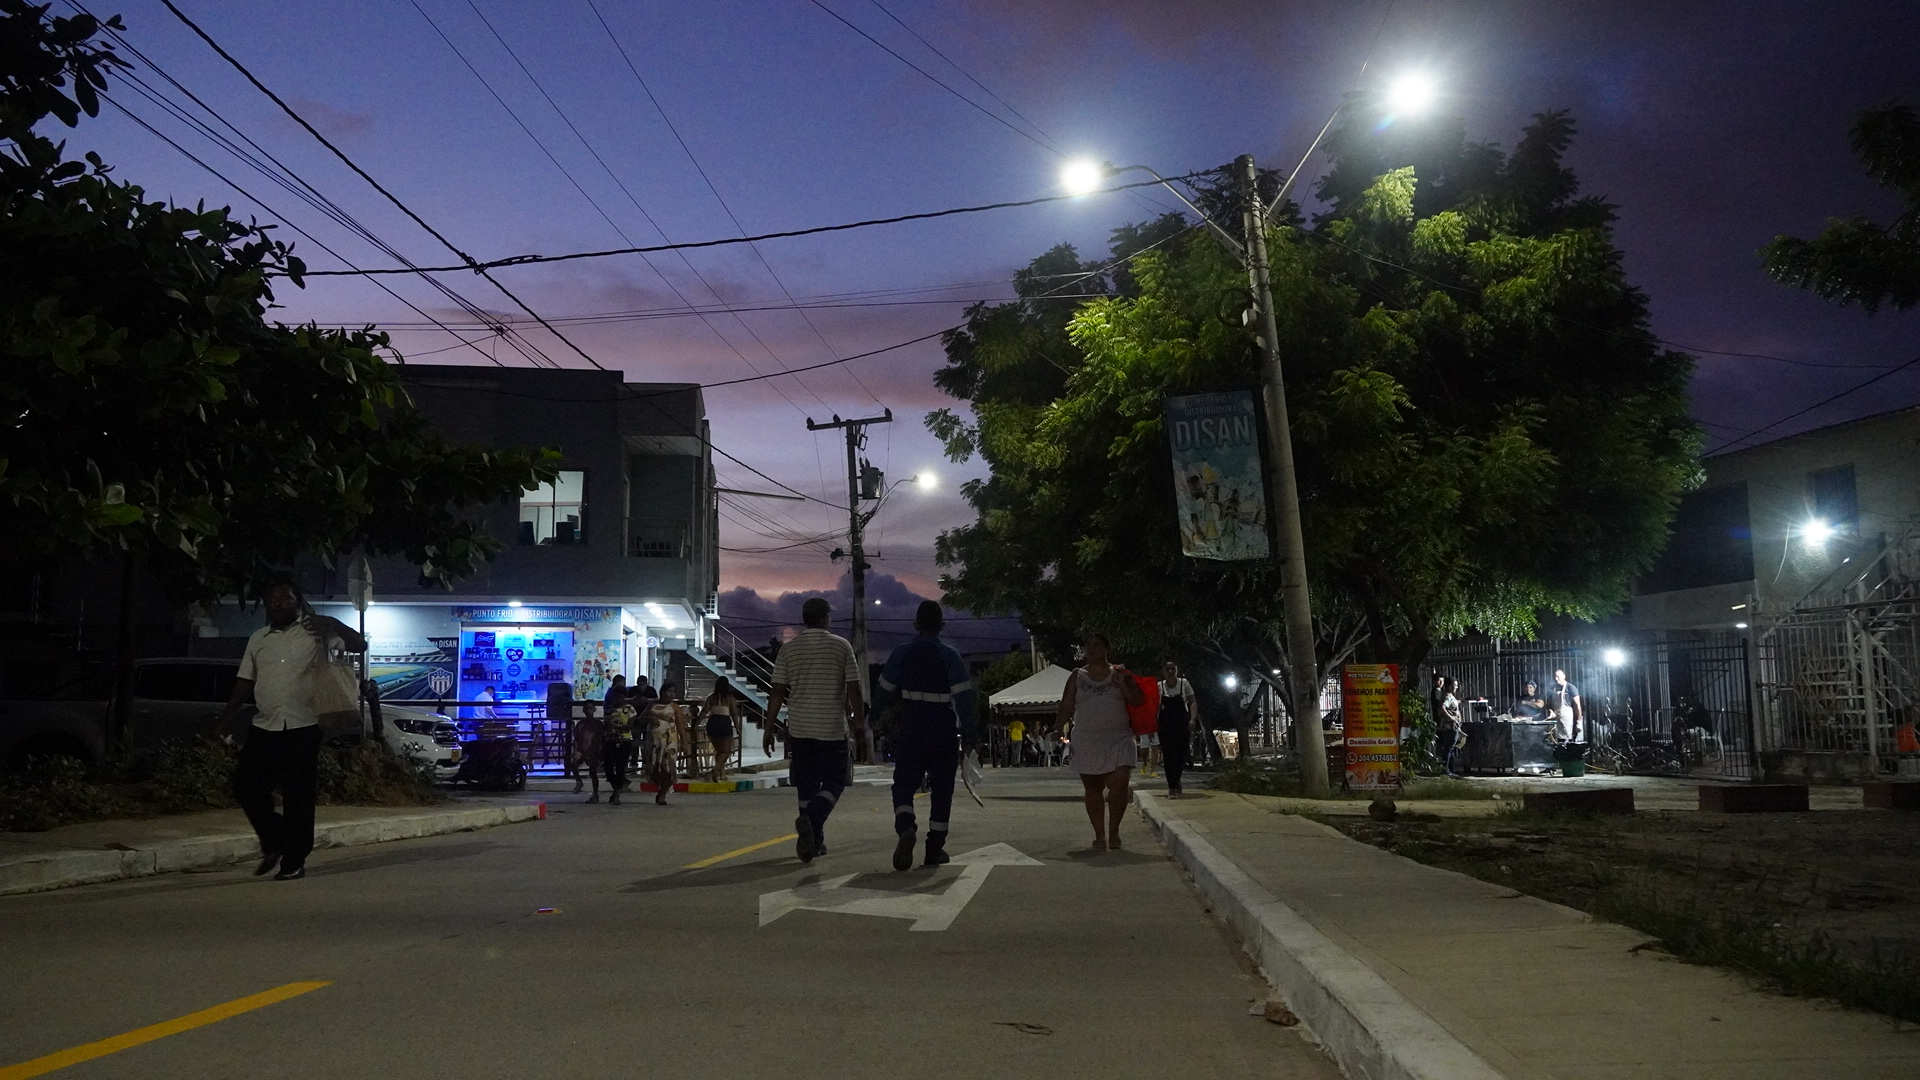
(929,911)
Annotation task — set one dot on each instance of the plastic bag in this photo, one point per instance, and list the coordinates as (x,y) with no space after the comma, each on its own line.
(334,692)
(1145,717)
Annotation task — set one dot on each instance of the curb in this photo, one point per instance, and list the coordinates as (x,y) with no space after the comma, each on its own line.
(1370,1028)
(67,868)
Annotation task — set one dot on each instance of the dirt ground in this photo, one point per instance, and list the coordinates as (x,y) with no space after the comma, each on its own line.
(1847,878)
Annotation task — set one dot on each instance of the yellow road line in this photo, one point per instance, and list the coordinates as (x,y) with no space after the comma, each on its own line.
(74,1056)
(704,863)
(716,859)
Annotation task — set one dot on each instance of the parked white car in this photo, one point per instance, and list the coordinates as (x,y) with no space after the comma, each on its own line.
(423,736)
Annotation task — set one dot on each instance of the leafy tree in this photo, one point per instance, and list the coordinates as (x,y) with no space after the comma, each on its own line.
(1857,261)
(153,416)
(1485,427)
(154,412)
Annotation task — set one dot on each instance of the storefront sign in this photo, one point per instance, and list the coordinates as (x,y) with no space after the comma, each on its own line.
(531,614)
(1370,723)
(412,669)
(1219,488)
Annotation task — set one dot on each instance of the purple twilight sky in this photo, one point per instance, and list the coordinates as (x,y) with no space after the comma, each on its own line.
(1713,126)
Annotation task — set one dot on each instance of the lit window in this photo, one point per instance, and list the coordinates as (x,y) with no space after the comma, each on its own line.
(555,513)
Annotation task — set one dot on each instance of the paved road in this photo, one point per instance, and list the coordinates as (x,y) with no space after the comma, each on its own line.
(439,964)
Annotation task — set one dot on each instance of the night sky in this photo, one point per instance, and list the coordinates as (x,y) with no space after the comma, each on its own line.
(1713,127)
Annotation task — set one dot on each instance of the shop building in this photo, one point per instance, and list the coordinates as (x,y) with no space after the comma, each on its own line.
(611,569)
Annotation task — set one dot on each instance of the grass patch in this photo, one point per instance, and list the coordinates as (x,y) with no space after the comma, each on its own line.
(189,776)
(1793,905)
(1280,777)
(1706,925)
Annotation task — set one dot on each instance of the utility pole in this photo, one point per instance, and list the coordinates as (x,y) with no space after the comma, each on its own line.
(1284,495)
(863,483)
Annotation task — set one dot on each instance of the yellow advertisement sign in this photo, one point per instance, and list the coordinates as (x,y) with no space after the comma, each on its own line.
(1370,723)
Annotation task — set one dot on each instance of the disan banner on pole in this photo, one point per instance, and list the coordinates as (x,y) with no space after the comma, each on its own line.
(1370,723)
(1219,488)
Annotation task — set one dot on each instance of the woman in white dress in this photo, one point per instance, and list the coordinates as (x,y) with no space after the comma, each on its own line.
(1104,750)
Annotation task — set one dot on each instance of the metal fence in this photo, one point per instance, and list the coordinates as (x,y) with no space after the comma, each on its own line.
(1673,702)
(1839,672)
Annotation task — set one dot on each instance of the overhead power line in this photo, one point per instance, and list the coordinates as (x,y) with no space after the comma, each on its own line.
(364,175)
(523,260)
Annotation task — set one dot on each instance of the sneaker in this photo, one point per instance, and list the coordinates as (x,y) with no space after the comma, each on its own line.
(614,799)
(903,851)
(806,845)
(267,864)
(936,853)
(293,874)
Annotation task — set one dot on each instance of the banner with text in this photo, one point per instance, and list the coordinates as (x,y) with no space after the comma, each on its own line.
(1370,724)
(1219,489)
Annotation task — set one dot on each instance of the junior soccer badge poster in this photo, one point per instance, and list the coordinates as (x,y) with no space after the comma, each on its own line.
(1219,488)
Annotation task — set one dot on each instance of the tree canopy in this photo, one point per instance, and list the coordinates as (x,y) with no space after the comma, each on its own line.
(151,407)
(1856,260)
(1485,427)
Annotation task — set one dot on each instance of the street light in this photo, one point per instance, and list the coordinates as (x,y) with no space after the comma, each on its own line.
(1816,532)
(927,481)
(1411,93)
(1231,682)
(1283,491)
(1614,657)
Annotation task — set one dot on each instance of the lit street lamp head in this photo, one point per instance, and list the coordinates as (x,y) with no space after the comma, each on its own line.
(1083,176)
(1816,532)
(1411,93)
(927,481)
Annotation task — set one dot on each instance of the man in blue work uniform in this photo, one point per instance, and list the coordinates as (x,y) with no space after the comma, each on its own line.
(930,680)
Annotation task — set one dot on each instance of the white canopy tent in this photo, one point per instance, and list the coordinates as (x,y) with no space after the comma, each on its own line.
(1037,692)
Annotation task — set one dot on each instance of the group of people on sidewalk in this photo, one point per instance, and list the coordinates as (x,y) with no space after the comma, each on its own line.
(653,728)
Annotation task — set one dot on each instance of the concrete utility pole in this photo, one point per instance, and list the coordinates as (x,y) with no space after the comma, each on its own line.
(863,482)
(1284,496)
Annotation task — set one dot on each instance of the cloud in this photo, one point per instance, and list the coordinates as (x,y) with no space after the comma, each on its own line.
(331,122)
(756,618)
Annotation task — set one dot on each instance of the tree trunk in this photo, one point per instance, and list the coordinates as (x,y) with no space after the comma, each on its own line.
(120,728)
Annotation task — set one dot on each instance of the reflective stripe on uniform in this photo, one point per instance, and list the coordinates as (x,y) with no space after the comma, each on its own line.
(916,695)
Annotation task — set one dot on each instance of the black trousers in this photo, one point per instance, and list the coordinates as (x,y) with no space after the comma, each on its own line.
(928,752)
(1444,742)
(614,755)
(288,761)
(1174,740)
(820,769)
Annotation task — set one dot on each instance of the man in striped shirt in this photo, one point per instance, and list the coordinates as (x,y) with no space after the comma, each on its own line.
(819,680)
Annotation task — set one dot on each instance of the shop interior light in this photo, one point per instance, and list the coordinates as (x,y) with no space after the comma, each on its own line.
(1614,657)
(1739,626)
(515,603)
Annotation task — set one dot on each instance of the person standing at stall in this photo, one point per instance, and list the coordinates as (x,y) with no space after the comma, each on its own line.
(1448,732)
(1177,714)
(1097,698)
(819,680)
(930,679)
(283,746)
(1564,699)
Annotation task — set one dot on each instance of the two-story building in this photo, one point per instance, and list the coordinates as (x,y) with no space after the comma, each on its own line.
(605,571)
(1807,546)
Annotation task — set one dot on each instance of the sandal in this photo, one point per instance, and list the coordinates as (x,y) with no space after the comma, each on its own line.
(1099,845)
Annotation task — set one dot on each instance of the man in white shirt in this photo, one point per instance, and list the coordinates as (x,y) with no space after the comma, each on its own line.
(283,746)
(819,680)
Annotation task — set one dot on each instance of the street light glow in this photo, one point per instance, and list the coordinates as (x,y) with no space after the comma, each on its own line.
(927,481)
(1411,93)
(1816,532)
(1614,657)
(1230,682)
(1083,176)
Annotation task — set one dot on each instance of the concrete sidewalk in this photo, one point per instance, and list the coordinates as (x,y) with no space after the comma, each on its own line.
(110,850)
(1405,970)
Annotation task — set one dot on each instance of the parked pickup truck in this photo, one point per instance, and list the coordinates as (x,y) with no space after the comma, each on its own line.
(61,708)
